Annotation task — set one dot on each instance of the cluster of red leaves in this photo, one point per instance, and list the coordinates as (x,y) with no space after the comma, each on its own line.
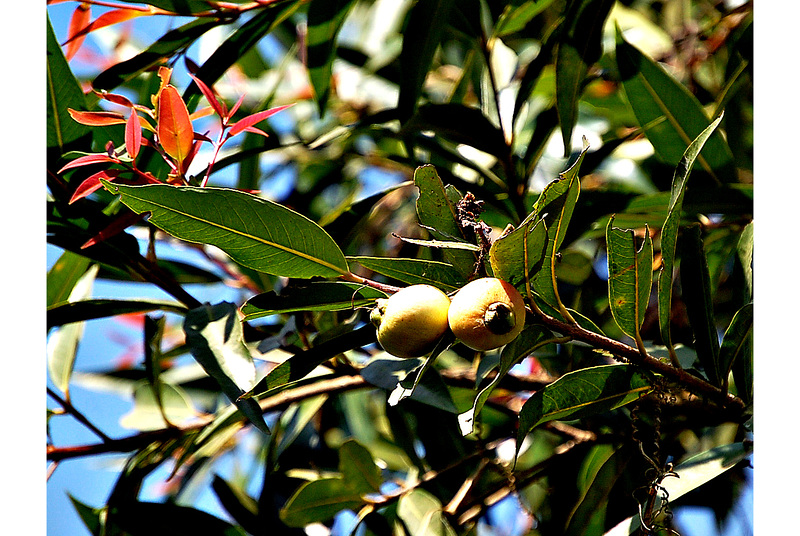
(173,137)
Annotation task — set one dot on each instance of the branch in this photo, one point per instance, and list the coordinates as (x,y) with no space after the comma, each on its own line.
(692,383)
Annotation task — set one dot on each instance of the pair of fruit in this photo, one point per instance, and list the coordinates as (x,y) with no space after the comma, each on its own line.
(484,314)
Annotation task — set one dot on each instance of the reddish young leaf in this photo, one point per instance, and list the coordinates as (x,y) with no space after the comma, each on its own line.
(107,19)
(251,120)
(87,160)
(96,119)
(93,183)
(234,109)
(256,130)
(145,177)
(190,157)
(77,29)
(202,112)
(116,99)
(208,93)
(175,132)
(115,227)
(133,135)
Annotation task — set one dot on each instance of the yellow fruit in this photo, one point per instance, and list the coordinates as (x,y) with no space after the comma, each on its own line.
(411,321)
(487,313)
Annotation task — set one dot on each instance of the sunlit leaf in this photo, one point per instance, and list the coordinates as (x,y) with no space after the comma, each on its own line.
(325,20)
(75,32)
(149,411)
(133,134)
(436,211)
(254,231)
(517,15)
(358,468)
(669,231)
(251,120)
(518,256)
(175,132)
(579,48)
(669,114)
(97,119)
(582,393)
(62,344)
(64,275)
(422,514)
(214,335)
(108,18)
(320,500)
(735,341)
(630,277)
(88,160)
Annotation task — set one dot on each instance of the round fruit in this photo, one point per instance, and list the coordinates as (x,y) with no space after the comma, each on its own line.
(410,321)
(487,313)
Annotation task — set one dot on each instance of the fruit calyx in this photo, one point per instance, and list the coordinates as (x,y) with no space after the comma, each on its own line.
(499,318)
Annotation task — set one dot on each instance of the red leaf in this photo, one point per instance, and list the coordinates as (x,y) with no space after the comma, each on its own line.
(175,132)
(255,130)
(87,160)
(235,107)
(77,29)
(202,112)
(133,135)
(106,19)
(93,183)
(188,161)
(208,93)
(96,119)
(115,227)
(251,120)
(116,99)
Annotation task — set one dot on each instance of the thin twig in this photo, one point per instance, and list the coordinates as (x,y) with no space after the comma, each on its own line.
(80,417)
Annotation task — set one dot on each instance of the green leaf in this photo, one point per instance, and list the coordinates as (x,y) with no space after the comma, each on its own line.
(214,336)
(63,91)
(669,231)
(414,271)
(421,38)
(583,393)
(165,47)
(62,278)
(62,344)
(435,210)
(692,473)
(744,251)
(518,256)
(532,337)
(421,513)
(407,386)
(319,500)
(736,343)
(656,98)
(316,296)
(630,278)
(65,313)
(241,506)
(168,519)
(254,231)
(91,517)
(600,471)
(387,372)
(696,292)
(325,21)
(240,42)
(555,206)
(579,48)
(358,468)
(517,15)
(150,412)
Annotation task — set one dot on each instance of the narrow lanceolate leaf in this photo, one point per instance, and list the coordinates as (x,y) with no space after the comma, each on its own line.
(325,20)
(744,251)
(531,338)
(255,232)
(75,33)
(630,278)
(696,292)
(63,92)
(96,119)
(669,232)
(580,47)
(65,313)
(214,336)
(316,296)
(62,344)
(251,120)
(582,393)
(518,256)
(415,271)
(655,96)
(64,275)
(175,132)
(436,211)
(736,341)
(555,206)
(692,473)
(420,41)
(133,134)
(165,47)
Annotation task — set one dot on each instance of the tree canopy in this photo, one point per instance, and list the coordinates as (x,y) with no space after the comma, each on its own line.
(257,181)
